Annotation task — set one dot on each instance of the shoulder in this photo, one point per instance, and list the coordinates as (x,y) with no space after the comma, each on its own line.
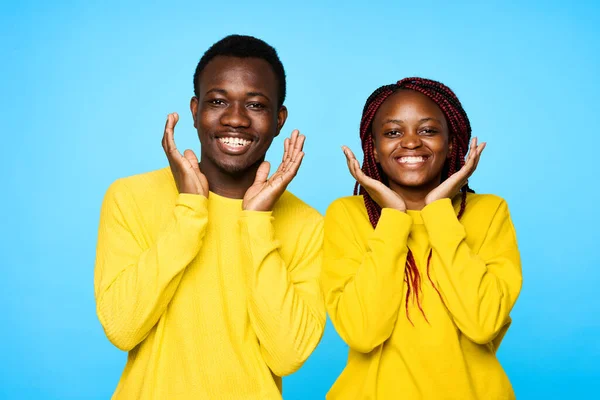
(348,204)
(347,207)
(483,211)
(145,184)
(291,208)
(160,179)
(480,204)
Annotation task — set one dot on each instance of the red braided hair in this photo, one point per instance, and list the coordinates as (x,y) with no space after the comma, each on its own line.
(459,134)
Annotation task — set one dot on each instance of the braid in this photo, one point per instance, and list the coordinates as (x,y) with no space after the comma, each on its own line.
(460,135)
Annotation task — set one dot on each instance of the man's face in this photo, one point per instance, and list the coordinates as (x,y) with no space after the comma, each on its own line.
(236,112)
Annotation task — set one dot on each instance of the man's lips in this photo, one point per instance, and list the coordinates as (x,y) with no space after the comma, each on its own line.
(235,135)
(234,143)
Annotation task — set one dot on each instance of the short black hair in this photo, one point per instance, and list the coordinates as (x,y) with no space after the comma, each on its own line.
(244,47)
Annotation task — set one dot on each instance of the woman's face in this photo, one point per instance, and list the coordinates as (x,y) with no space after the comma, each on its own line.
(411,140)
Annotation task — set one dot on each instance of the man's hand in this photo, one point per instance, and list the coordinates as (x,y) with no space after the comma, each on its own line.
(185,169)
(264,193)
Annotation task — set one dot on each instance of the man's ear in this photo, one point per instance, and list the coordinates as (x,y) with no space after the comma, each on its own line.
(282,115)
(194,110)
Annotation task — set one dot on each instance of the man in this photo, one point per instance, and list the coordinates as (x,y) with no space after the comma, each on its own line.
(207,272)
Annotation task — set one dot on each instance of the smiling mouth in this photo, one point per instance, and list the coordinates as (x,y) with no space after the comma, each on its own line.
(412,160)
(234,142)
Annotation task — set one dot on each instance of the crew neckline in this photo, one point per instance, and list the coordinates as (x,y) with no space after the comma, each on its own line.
(416,216)
(223,199)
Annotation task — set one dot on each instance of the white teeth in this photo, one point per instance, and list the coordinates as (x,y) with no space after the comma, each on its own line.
(234,142)
(412,160)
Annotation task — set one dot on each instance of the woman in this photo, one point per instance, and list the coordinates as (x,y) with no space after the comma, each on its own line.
(420,273)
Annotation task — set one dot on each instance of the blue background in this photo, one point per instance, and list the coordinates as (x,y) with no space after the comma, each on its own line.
(86,86)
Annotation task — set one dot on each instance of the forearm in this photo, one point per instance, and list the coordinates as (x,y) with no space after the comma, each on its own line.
(285,303)
(364,291)
(479,289)
(134,284)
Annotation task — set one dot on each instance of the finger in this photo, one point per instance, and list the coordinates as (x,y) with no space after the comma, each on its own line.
(349,160)
(262,173)
(285,157)
(298,145)
(168,123)
(474,153)
(472,146)
(294,136)
(349,154)
(470,161)
(288,155)
(294,166)
(359,175)
(292,144)
(481,147)
(478,156)
(354,167)
(286,149)
(169,134)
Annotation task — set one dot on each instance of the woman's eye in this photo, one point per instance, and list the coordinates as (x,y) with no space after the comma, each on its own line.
(392,133)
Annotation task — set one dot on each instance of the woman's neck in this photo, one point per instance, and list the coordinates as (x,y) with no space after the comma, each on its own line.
(414,197)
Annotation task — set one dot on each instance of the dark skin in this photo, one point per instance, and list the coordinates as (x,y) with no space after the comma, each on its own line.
(237,116)
(411,143)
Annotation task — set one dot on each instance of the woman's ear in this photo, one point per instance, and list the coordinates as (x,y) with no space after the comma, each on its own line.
(375,151)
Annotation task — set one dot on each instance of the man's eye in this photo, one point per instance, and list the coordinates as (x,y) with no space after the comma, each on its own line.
(216,102)
(256,105)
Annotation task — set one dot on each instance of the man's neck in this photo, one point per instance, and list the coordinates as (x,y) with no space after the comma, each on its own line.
(232,186)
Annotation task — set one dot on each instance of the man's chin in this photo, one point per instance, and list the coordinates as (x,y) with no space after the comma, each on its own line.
(235,168)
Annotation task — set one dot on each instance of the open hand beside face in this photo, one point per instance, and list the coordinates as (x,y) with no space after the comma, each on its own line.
(185,169)
(265,191)
(383,195)
(451,186)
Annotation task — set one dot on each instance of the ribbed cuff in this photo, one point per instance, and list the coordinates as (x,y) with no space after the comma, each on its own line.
(195,203)
(259,225)
(442,223)
(393,224)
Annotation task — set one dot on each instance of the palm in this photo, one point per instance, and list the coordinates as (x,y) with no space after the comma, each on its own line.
(380,193)
(451,186)
(264,192)
(184,167)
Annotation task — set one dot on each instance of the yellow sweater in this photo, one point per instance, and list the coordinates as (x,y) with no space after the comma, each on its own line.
(476,267)
(211,302)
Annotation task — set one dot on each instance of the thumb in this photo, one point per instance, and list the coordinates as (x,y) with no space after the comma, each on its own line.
(263,172)
(191,157)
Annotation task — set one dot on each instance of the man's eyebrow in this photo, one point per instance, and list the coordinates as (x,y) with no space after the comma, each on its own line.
(258,94)
(217,90)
